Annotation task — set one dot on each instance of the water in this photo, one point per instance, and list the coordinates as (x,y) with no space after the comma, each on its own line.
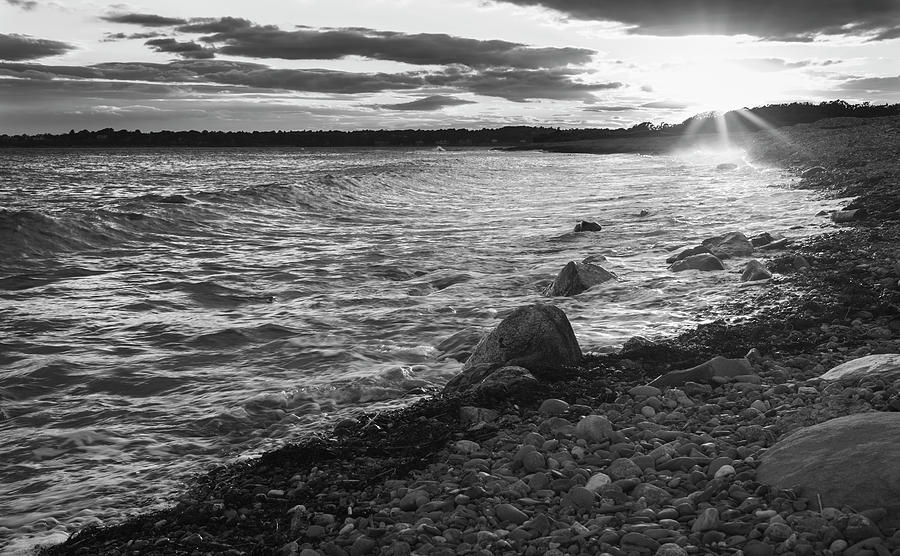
(162,311)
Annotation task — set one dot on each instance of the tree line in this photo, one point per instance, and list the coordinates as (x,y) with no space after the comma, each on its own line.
(774,115)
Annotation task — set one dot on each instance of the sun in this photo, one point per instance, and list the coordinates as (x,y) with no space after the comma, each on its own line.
(719,85)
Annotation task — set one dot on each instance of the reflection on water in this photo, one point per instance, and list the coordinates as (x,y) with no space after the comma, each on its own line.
(164,310)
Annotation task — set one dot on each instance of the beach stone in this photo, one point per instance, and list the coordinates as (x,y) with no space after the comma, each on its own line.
(510,514)
(884,366)
(575,278)
(504,378)
(537,337)
(704,262)
(670,549)
(638,541)
(848,461)
(706,521)
(598,481)
(689,252)
(732,244)
(654,495)
(587,226)
(623,468)
(580,497)
(552,407)
(593,428)
(778,532)
(644,391)
(755,270)
(720,367)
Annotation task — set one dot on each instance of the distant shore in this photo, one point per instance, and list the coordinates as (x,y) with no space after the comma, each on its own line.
(437,479)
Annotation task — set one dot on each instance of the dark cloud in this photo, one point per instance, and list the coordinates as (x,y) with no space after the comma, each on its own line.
(112,37)
(22,47)
(433,102)
(188,49)
(216,25)
(237,37)
(876,85)
(510,84)
(768,19)
(26,5)
(521,85)
(144,20)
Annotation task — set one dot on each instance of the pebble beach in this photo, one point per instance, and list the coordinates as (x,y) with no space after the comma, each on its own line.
(604,457)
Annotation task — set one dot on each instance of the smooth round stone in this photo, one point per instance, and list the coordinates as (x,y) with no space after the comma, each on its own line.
(648,412)
(838,545)
(580,497)
(598,481)
(534,439)
(593,428)
(724,471)
(534,461)
(670,549)
(623,468)
(553,407)
(639,541)
(466,447)
(778,532)
(510,514)
(667,513)
(309,552)
(644,391)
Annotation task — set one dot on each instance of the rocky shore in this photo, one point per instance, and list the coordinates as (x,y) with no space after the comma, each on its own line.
(756,454)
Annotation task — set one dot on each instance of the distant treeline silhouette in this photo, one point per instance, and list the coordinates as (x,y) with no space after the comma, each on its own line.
(774,115)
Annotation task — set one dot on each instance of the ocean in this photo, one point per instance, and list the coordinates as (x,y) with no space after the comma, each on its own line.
(163,311)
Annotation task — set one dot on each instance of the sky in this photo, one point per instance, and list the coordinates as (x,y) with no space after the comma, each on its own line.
(400,64)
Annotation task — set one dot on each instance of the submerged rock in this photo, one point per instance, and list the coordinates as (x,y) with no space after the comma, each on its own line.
(537,337)
(732,244)
(575,278)
(726,166)
(704,262)
(755,270)
(699,250)
(587,226)
(848,461)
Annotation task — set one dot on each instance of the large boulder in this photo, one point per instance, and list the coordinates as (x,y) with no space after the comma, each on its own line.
(704,262)
(575,278)
(848,461)
(537,337)
(732,244)
(699,250)
(755,270)
(885,366)
(717,367)
(587,226)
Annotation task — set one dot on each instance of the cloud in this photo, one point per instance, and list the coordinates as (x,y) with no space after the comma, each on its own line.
(771,64)
(517,85)
(238,37)
(26,5)
(877,85)
(665,105)
(608,108)
(112,37)
(22,47)
(188,49)
(144,20)
(521,85)
(769,19)
(433,102)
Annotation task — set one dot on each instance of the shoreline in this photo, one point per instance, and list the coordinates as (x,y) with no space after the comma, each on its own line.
(398,482)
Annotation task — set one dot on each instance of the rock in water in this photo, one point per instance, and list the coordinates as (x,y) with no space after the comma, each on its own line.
(715,367)
(586,226)
(732,244)
(703,262)
(727,166)
(698,250)
(885,366)
(848,461)
(575,278)
(537,337)
(755,270)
